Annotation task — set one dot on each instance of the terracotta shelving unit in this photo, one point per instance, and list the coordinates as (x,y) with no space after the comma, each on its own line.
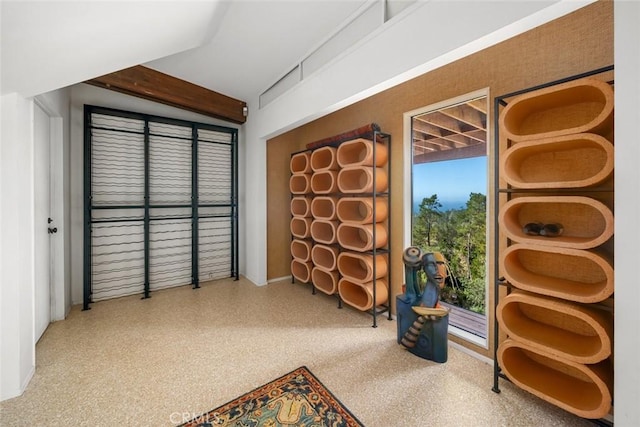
(301,250)
(340,209)
(584,390)
(324,207)
(554,289)
(301,206)
(583,276)
(568,330)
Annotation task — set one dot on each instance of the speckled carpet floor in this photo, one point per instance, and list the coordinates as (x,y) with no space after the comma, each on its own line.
(165,360)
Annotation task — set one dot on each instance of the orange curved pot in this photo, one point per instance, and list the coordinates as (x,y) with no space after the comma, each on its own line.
(360,295)
(324,182)
(324,207)
(301,270)
(579,106)
(301,206)
(583,390)
(301,227)
(587,222)
(566,330)
(325,281)
(360,209)
(300,163)
(300,183)
(359,237)
(301,250)
(324,231)
(360,179)
(571,274)
(325,257)
(358,267)
(572,161)
(359,152)
(324,158)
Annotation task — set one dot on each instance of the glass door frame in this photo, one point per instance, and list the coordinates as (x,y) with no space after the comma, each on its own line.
(408,197)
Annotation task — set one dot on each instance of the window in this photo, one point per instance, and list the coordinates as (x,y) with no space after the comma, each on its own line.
(447,155)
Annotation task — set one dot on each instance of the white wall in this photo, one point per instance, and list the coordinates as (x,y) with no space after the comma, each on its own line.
(627,214)
(17,349)
(82,94)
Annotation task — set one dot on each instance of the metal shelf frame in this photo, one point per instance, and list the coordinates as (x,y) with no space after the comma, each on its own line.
(500,282)
(141,213)
(384,308)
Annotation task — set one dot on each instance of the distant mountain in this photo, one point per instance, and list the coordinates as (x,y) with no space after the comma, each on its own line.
(446,205)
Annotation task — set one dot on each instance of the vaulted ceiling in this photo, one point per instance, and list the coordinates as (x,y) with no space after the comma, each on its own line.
(238,48)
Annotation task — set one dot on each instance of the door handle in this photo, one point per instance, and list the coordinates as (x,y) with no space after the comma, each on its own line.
(53,230)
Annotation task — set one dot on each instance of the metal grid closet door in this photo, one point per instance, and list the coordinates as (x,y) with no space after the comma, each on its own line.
(160,203)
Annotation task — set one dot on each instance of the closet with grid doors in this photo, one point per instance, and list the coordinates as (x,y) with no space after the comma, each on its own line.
(160,203)
(554,243)
(340,216)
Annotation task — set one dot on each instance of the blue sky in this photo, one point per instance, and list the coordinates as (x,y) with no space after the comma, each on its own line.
(451,180)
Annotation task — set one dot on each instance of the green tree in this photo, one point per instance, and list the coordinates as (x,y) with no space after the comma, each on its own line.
(460,235)
(471,251)
(428,214)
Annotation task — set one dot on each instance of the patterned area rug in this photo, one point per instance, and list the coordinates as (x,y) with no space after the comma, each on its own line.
(295,399)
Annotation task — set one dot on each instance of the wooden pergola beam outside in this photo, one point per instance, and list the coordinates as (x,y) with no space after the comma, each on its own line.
(155,86)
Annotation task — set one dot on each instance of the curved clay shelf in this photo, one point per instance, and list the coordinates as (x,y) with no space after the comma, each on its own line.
(301,250)
(571,161)
(587,222)
(571,274)
(300,163)
(325,257)
(583,390)
(359,152)
(579,106)
(359,179)
(359,237)
(324,207)
(324,182)
(325,281)
(301,227)
(563,329)
(301,206)
(360,209)
(324,158)
(301,270)
(358,267)
(300,183)
(360,295)
(324,231)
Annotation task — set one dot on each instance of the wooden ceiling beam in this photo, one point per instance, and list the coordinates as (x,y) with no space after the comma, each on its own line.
(153,85)
(479,135)
(466,114)
(479,104)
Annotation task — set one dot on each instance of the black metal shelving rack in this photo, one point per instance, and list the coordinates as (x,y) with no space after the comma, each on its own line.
(501,102)
(385,308)
(129,214)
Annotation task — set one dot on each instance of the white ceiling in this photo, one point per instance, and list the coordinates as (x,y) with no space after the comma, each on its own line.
(256,43)
(235,47)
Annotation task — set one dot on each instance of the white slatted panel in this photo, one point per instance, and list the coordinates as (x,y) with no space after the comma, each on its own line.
(117,179)
(215,177)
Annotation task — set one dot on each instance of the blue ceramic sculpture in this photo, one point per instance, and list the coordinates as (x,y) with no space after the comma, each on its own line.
(422,323)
